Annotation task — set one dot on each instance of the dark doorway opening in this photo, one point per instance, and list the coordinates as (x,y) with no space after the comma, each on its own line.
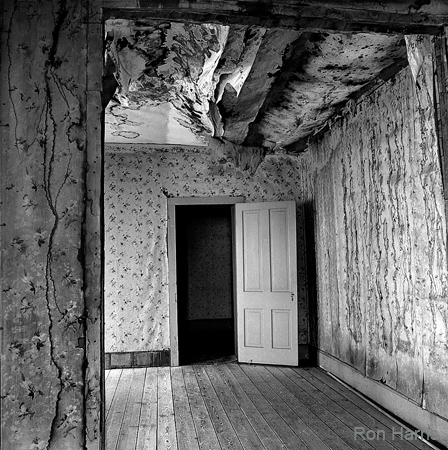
(204,282)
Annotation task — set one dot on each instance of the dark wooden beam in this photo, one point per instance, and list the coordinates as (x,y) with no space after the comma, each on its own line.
(394,16)
(386,74)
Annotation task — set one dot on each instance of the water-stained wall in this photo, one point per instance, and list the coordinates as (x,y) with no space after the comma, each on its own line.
(50,250)
(381,242)
(138,181)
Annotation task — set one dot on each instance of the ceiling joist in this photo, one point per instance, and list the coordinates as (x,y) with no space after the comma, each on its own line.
(391,17)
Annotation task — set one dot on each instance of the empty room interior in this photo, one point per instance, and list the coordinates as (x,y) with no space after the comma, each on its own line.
(224,225)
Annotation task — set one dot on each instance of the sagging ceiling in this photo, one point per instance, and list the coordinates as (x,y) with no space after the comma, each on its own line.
(182,83)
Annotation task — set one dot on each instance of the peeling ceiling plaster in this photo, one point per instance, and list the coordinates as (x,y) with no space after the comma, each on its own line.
(149,123)
(183,83)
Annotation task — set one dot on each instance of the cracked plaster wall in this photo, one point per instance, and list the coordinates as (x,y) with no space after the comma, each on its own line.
(138,180)
(381,242)
(50,396)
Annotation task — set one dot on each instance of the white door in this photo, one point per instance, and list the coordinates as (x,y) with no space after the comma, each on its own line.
(266,282)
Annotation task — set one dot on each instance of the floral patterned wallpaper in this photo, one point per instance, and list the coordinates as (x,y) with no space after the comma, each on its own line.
(138,181)
(50,397)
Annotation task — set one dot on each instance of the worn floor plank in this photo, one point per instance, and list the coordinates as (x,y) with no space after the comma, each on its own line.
(267,435)
(166,428)
(244,431)
(226,434)
(207,438)
(115,419)
(111,387)
(241,407)
(383,421)
(330,428)
(186,434)
(147,430)
(295,414)
(333,401)
(131,419)
(271,410)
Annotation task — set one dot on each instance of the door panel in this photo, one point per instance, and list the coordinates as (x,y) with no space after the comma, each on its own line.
(281,328)
(252,251)
(253,327)
(266,282)
(279,246)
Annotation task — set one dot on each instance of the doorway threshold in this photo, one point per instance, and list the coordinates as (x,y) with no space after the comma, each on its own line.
(214,361)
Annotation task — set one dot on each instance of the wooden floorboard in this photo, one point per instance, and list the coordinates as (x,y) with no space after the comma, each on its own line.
(166,429)
(131,418)
(244,431)
(301,421)
(185,430)
(240,407)
(266,434)
(330,428)
(350,414)
(205,431)
(117,409)
(111,387)
(267,410)
(147,428)
(383,421)
(225,432)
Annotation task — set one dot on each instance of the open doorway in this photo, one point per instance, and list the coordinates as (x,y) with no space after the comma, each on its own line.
(200,264)
(204,282)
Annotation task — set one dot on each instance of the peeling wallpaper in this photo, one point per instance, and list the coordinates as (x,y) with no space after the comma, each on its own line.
(138,181)
(250,85)
(152,69)
(47,397)
(381,234)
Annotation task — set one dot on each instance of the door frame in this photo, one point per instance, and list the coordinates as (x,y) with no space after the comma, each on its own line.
(172,261)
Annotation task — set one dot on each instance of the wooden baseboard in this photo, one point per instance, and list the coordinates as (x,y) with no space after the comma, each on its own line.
(397,404)
(123,360)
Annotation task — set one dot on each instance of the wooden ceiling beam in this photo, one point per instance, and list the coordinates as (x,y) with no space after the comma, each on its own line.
(391,17)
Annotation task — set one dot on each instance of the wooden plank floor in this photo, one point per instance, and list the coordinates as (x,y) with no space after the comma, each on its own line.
(232,406)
